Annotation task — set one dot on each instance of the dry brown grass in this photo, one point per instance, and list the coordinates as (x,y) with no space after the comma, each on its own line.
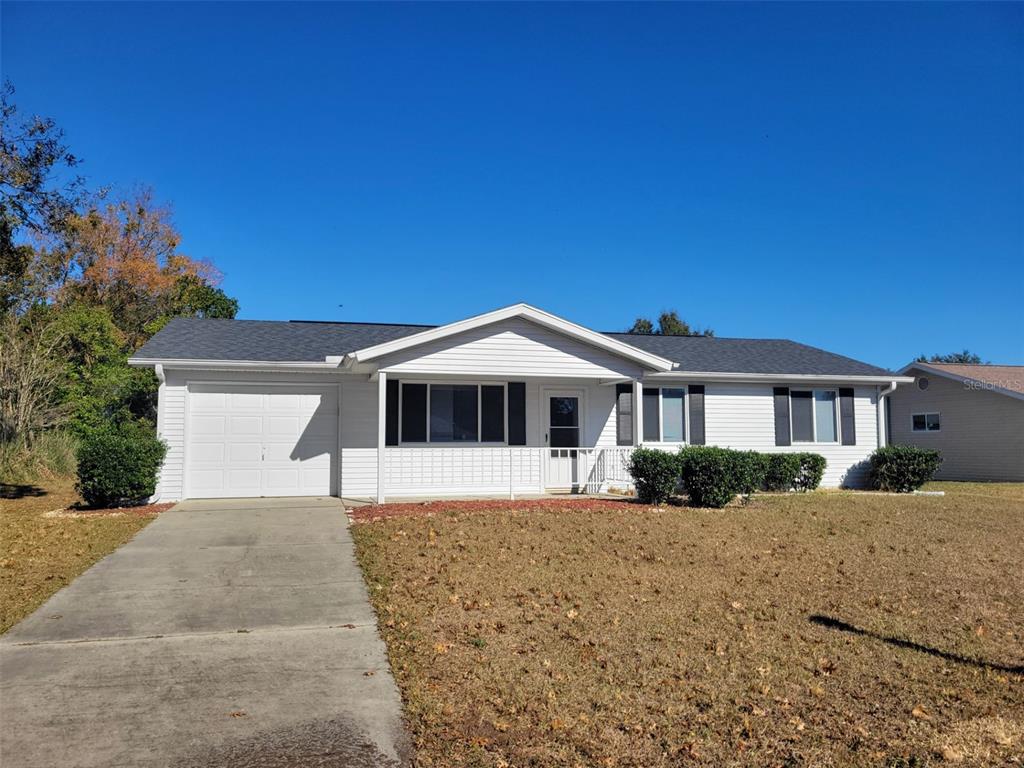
(40,553)
(632,637)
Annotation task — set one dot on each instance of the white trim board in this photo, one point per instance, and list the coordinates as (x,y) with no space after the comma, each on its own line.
(526,312)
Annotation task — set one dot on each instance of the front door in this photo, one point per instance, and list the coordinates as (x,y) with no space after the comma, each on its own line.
(563,424)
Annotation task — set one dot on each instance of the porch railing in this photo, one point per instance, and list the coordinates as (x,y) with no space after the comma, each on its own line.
(452,470)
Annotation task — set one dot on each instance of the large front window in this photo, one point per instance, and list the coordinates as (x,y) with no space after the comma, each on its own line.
(452,413)
(814,415)
(664,415)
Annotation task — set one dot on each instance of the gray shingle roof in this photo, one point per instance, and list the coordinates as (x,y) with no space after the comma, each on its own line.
(279,341)
(190,338)
(710,353)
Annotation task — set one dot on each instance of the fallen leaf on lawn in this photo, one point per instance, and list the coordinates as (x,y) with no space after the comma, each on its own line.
(920,713)
(952,755)
(440,648)
(571,613)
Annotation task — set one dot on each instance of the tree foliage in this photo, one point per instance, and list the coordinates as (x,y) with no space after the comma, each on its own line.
(85,279)
(38,193)
(965,356)
(669,324)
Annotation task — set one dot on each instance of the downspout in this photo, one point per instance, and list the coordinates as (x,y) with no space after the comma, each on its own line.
(880,412)
(158,369)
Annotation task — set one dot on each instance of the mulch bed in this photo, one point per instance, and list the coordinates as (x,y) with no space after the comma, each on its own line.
(147,510)
(373,512)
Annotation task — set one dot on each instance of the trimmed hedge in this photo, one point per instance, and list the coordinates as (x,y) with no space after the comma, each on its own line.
(655,474)
(903,468)
(782,471)
(117,466)
(713,476)
(812,469)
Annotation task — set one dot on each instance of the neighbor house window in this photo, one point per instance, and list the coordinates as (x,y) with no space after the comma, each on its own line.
(814,415)
(926,422)
(664,414)
(452,413)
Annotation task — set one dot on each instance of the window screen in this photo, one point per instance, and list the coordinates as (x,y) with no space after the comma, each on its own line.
(651,432)
(414,413)
(801,410)
(673,423)
(825,416)
(492,414)
(624,414)
(453,413)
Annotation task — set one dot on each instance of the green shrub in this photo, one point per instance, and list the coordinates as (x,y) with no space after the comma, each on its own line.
(118,465)
(812,469)
(749,471)
(709,475)
(655,474)
(903,468)
(782,471)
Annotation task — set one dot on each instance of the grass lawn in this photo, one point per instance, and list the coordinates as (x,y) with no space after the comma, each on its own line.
(832,628)
(39,554)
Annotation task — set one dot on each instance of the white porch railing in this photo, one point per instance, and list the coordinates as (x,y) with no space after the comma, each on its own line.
(451,470)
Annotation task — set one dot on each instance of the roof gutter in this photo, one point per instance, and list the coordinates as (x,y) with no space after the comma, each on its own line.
(809,378)
(300,365)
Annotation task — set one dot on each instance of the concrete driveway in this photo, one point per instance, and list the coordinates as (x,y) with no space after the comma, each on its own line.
(226,633)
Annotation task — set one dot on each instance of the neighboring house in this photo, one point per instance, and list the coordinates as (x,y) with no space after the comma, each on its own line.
(974,414)
(511,401)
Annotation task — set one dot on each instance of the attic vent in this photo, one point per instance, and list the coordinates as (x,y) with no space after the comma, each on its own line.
(922,383)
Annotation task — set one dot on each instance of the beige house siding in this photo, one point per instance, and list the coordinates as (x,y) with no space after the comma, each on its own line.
(982,434)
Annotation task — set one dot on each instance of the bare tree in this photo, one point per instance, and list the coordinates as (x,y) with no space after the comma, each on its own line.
(31,374)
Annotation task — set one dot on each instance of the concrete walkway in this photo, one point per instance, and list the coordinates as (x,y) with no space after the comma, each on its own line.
(226,633)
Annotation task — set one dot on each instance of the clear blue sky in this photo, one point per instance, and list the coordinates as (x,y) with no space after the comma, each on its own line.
(850,176)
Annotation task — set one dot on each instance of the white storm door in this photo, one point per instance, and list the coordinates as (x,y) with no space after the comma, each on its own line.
(563,431)
(261,440)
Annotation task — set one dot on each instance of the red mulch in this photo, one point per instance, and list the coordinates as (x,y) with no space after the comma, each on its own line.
(371,512)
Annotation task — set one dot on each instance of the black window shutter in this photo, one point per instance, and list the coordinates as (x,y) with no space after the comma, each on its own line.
(782,416)
(391,413)
(697,414)
(516,413)
(624,414)
(847,422)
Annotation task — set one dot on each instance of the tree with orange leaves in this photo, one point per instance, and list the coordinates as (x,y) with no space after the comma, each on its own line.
(124,256)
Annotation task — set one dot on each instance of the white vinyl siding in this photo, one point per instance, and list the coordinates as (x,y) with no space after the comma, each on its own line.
(509,349)
(742,416)
(171,429)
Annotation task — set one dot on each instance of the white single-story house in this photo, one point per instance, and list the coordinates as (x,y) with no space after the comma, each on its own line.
(513,401)
(972,414)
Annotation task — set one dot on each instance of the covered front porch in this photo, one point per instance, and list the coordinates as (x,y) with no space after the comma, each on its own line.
(458,436)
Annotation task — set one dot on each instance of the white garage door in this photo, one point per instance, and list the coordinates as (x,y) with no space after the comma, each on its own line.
(260,440)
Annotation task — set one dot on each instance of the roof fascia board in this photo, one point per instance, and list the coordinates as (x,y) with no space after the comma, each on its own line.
(777,377)
(963,380)
(533,314)
(143,362)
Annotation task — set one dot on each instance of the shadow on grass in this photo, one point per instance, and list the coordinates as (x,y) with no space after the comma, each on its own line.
(16,491)
(830,623)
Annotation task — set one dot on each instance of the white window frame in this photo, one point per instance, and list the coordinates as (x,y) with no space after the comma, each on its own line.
(926,414)
(814,417)
(661,415)
(479,413)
